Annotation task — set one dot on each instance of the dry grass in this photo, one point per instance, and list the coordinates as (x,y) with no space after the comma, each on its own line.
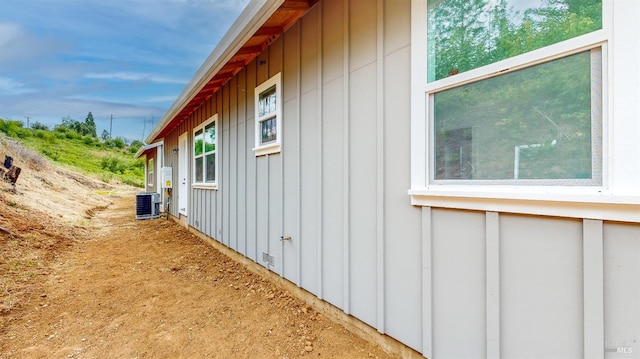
(25,157)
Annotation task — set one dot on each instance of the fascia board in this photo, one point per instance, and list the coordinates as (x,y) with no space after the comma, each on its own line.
(146,148)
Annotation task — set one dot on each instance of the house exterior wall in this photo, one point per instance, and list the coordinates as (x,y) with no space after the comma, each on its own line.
(448,283)
(530,286)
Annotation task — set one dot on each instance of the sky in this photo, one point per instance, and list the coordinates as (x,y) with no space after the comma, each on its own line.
(126,59)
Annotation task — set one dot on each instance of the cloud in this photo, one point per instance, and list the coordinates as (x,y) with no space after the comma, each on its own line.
(132,76)
(18,47)
(160,99)
(12,87)
(8,33)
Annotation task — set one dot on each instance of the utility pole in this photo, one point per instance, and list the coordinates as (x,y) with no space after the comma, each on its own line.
(144,129)
(110,127)
(27,121)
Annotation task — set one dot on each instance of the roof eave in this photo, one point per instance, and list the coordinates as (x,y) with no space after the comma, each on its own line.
(144,149)
(255,14)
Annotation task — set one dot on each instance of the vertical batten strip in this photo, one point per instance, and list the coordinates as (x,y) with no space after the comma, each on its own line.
(427,299)
(267,176)
(380,265)
(237,158)
(267,227)
(298,234)
(219,231)
(256,246)
(319,253)
(244,161)
(593,273)
(419,160)
(492,248)
(345,193)
(282,154)
(227,230)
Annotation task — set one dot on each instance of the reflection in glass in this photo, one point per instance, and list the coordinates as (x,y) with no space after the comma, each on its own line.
(267,102)
(197,147)
(463,35)
(211,168)
(542,122)
(199,169)
(210,138)
(268,129)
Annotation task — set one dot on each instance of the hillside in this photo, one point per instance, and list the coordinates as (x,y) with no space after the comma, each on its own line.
(47,208)
(109,160)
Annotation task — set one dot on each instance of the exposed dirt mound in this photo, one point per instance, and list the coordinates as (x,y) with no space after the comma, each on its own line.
(41,215)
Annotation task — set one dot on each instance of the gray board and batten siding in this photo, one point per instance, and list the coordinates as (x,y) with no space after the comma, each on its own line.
(448,283)
(339,186)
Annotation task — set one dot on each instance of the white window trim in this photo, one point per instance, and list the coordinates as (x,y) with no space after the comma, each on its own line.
(618,198)
(273,147)
(205,185)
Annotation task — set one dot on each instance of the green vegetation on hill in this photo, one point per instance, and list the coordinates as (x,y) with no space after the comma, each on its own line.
(106,159)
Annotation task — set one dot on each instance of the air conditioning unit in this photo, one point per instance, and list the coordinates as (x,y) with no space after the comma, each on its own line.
(147,205)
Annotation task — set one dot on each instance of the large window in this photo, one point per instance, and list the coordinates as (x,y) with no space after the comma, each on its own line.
(268,125)
(514,91)
(526,107)
(205,163)
(540,123)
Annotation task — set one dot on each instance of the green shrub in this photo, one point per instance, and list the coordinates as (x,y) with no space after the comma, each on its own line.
(113,164)
(117,142)
(53,154)
(73,135)
(133,181)
(90,141)
(14,129)
(48,136)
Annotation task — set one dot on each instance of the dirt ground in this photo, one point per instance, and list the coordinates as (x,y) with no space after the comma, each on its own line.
(81,278)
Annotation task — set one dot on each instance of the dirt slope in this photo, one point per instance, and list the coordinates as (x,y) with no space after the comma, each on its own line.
(81,278)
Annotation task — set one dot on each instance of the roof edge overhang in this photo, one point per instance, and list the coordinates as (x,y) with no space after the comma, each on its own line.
(144,149)
(252,18)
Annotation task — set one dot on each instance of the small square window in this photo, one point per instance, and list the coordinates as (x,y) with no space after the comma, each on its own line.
(268,116)
(204,153)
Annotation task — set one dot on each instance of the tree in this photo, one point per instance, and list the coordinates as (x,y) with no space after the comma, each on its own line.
(90,126)
(39,126)
(135,146)
(71,124)
(105,135)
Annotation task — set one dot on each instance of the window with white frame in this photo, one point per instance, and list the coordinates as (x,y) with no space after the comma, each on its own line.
(514,92)
(205,150)
(512,107)
(268,114)
(150,171)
